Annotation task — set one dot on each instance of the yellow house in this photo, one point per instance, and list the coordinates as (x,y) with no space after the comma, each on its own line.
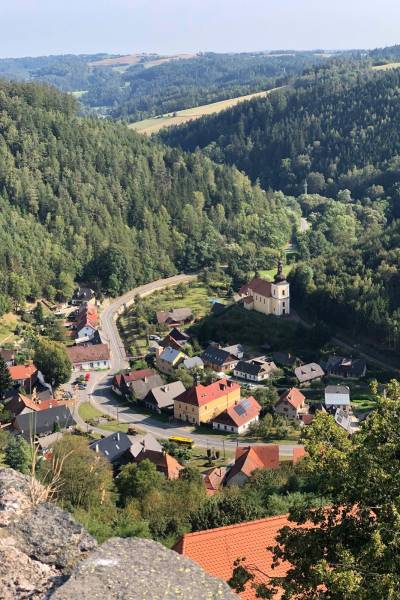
(169,359)
(269,298)
(201,404)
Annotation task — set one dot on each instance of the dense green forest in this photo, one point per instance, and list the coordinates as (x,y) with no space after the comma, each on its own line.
(86,198)
(338,127)
(137,91)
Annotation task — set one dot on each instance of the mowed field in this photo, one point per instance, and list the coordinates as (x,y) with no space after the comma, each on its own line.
(394,65)
(153,125)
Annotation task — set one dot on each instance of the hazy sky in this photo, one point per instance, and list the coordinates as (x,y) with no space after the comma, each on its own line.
(35,27)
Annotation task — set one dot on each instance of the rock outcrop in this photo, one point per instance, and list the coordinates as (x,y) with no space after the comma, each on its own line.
(45,554)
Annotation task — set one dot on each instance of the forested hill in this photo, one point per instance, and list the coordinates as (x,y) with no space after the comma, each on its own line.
(152,87)
(338,129)
(89,198)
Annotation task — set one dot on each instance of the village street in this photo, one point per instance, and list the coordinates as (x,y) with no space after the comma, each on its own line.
(100,395)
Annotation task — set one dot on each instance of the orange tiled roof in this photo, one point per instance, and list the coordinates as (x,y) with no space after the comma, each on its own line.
(199,395)
(294,397)
(22,372)
(215,550)
(256,286)
(250,458)
(37,406)
(213,479)
(241,413)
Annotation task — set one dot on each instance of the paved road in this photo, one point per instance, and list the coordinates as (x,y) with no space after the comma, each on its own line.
(99,391)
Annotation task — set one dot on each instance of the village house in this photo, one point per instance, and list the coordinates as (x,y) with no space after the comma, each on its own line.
(87,321)
(218,360)
(24,375)
(214,479)
(161,399)
(169,359)
(201,404)
(83,295)
(337,395)
(239,417)
(250,458)
(346,368)
(87,358)
(236,350)
(165,464)
(144,442)
(22,403)
(309,372)
(257,369)
(39,423)
(176,339)
(8,356)
(174,317)
(266,297)
(141,387)
(121,381)
(115,448)
(216,550)
(346,419)
(292,404)
(193,362)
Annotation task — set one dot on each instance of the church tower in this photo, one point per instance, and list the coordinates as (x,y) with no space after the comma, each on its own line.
(280,290)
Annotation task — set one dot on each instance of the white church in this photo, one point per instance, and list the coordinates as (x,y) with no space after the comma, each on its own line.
(269,298)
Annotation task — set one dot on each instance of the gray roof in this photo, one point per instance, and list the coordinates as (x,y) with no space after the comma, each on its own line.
(216,356)
(144,442)
(346,367)
(169,354)
(337,389)
(142,387)
(42,422)
(112,447)
(193,363)
(164,395)
(308,372)
(177,315)
(249,368)
(236,350)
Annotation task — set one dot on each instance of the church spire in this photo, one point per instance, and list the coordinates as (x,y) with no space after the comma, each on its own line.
(280,275)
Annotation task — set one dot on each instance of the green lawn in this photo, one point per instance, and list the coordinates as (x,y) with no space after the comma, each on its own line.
(197,298)
(87,411)
(8,324)
(199,459)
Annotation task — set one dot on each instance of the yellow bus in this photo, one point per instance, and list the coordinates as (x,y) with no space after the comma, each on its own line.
(181,441)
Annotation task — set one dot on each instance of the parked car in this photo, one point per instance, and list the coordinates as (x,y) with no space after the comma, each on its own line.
(82,386)
(154,338)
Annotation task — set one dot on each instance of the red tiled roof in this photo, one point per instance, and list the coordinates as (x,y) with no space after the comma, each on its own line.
(164,463)
(250,458)
(215,550)
(199,395)
(247,412)
(213,479)
(140,374)
(22,372)
(248,300)
(78,354)
(293,396)
(299,453)
(43,405)
(256,286)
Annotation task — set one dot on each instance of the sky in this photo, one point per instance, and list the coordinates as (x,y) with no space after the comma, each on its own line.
(41,27)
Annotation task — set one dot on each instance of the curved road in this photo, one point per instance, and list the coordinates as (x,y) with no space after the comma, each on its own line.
(99,390)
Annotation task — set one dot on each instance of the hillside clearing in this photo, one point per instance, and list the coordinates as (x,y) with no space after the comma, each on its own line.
(394,65)
(154,124)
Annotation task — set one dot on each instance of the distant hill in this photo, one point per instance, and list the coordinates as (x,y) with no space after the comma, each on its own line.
(336,128)
(138,86)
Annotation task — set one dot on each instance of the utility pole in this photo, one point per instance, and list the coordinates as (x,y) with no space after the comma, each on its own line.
(223,447)
(305,187)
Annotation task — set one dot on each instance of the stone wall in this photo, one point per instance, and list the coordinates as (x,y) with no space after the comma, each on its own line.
(45,554)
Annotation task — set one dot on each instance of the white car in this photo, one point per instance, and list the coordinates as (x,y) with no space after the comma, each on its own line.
(154,338)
